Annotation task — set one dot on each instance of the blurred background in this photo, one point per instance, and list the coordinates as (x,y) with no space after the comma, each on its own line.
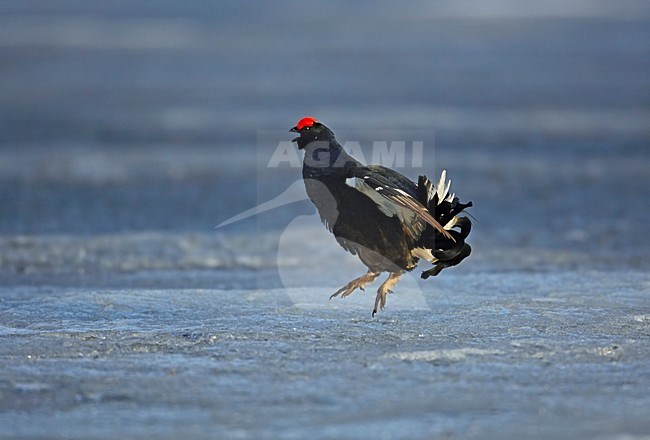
(142,116)
(138,121)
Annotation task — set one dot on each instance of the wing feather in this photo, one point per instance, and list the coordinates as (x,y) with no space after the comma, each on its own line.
(373,184)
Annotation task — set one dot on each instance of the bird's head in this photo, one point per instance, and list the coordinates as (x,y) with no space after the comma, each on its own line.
(311,130)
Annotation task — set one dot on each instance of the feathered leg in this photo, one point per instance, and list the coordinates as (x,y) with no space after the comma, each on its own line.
(357,283)
(385,289)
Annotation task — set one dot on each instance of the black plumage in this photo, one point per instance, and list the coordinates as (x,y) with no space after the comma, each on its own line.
(381,216)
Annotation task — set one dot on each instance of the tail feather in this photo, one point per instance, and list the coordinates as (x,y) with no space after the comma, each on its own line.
(445,208)
(442,189)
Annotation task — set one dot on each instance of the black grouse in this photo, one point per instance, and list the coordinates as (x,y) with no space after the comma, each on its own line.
(381,216)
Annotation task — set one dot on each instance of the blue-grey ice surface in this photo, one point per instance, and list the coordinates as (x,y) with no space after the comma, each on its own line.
(128,131)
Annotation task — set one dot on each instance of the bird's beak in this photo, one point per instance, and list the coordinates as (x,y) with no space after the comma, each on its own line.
(295,130)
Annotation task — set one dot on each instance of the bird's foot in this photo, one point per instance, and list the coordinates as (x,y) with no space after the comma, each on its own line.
(385,289)
(357,283)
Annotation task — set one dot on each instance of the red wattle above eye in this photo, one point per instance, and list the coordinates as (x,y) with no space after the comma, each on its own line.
(307,121)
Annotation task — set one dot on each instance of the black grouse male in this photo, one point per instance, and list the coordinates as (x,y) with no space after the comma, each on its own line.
(378,214)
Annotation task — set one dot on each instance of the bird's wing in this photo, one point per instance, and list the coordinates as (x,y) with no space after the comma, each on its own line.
(399,180)
(393,194)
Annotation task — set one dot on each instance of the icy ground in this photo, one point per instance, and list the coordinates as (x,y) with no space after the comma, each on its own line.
(507,355)
(128,131)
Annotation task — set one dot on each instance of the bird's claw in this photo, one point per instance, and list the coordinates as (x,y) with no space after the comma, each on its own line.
(357,283)
(384,290)
(380,302)
(338,292)
(345,290)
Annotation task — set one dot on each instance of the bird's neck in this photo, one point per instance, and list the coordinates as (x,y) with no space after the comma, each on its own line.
(326,158)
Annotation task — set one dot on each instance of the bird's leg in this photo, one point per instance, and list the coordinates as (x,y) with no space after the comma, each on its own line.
(357,283)
(385,289)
